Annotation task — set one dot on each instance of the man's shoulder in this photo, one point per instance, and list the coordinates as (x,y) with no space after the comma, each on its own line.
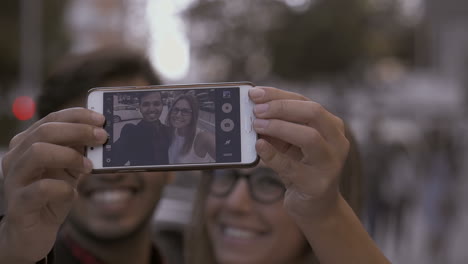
(130,128)
(165,127)
(166,130)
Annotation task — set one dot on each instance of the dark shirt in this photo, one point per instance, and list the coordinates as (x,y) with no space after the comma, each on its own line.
(145,143)
(68,251)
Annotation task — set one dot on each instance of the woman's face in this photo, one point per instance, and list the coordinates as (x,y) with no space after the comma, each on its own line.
(244,231)
(181,114)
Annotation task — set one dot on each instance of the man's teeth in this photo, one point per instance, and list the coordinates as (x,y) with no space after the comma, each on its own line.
(111,196)
(238,233)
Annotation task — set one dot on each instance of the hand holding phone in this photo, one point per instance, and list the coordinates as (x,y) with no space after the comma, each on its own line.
(175,127)
(41,171)
(305,145)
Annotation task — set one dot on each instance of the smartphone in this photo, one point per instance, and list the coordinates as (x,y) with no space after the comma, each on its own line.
(174,127)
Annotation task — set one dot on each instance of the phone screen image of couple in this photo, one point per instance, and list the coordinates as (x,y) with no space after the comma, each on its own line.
(178,126)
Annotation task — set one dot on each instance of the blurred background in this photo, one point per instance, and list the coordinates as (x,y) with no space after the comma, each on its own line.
(395,70)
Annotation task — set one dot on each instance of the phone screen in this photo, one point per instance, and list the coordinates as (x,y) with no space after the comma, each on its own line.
(177,126)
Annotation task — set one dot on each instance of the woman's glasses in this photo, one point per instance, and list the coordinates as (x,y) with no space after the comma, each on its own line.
(264,185)
(182,111)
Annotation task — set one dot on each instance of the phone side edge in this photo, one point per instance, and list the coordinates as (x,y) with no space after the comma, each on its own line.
(248,135)
(95,103)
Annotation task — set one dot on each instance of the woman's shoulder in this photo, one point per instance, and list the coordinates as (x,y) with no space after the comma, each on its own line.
(204,144)
(202,133)
(201,137)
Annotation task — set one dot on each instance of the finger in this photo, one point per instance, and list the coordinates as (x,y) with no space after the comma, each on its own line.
(57,195)
(311,143)
(260,95)
(302,136)
(71,176)
(294,153)
(295,175)
(288,149)
(278,144)
(302,112)
(275,160)
(43,156)
(67,134)
(292,133)
(71,115)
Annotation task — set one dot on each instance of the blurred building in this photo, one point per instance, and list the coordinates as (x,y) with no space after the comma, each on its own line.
(447,22)
(43,31)
(96,23)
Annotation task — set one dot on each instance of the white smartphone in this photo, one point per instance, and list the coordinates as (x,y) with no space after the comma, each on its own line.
(174,127)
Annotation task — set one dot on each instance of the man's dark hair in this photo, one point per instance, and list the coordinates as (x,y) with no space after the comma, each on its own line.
(74,75)
(140,95)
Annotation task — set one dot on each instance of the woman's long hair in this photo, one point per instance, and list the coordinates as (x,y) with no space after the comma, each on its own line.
(190,130)
(198,248)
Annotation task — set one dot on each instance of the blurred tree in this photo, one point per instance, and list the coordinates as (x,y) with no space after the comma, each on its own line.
(327,38)
(296,40)
(9,43)
(54,38)
(228,37)
(54,44)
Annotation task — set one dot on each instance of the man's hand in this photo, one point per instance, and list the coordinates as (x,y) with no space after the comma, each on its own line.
(41,171)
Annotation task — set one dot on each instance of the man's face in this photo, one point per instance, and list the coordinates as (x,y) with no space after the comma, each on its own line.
(151,106)
(116,206)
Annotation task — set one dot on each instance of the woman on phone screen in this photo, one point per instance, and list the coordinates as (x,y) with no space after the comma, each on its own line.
(189,144)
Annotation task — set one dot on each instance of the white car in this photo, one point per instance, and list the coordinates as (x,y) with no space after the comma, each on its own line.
(208,106)
(126,112)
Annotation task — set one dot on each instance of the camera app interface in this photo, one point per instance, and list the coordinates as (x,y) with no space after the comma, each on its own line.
(182,126)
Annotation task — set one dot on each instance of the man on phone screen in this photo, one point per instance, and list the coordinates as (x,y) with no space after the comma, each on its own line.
(147,142)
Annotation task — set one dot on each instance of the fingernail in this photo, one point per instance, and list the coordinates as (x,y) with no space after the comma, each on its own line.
(260,108)
(98,118)
(260,123)
(256,93)
(100,134)
(88,166)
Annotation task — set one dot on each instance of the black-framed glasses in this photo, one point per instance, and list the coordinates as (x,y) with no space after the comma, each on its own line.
(182,111)
(264,185)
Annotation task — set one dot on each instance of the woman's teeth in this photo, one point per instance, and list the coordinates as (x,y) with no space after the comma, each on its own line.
(238,233)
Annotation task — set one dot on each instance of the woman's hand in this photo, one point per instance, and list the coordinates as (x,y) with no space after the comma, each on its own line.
(305,144)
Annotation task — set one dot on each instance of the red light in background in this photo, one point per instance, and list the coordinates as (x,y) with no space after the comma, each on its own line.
(24,108)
